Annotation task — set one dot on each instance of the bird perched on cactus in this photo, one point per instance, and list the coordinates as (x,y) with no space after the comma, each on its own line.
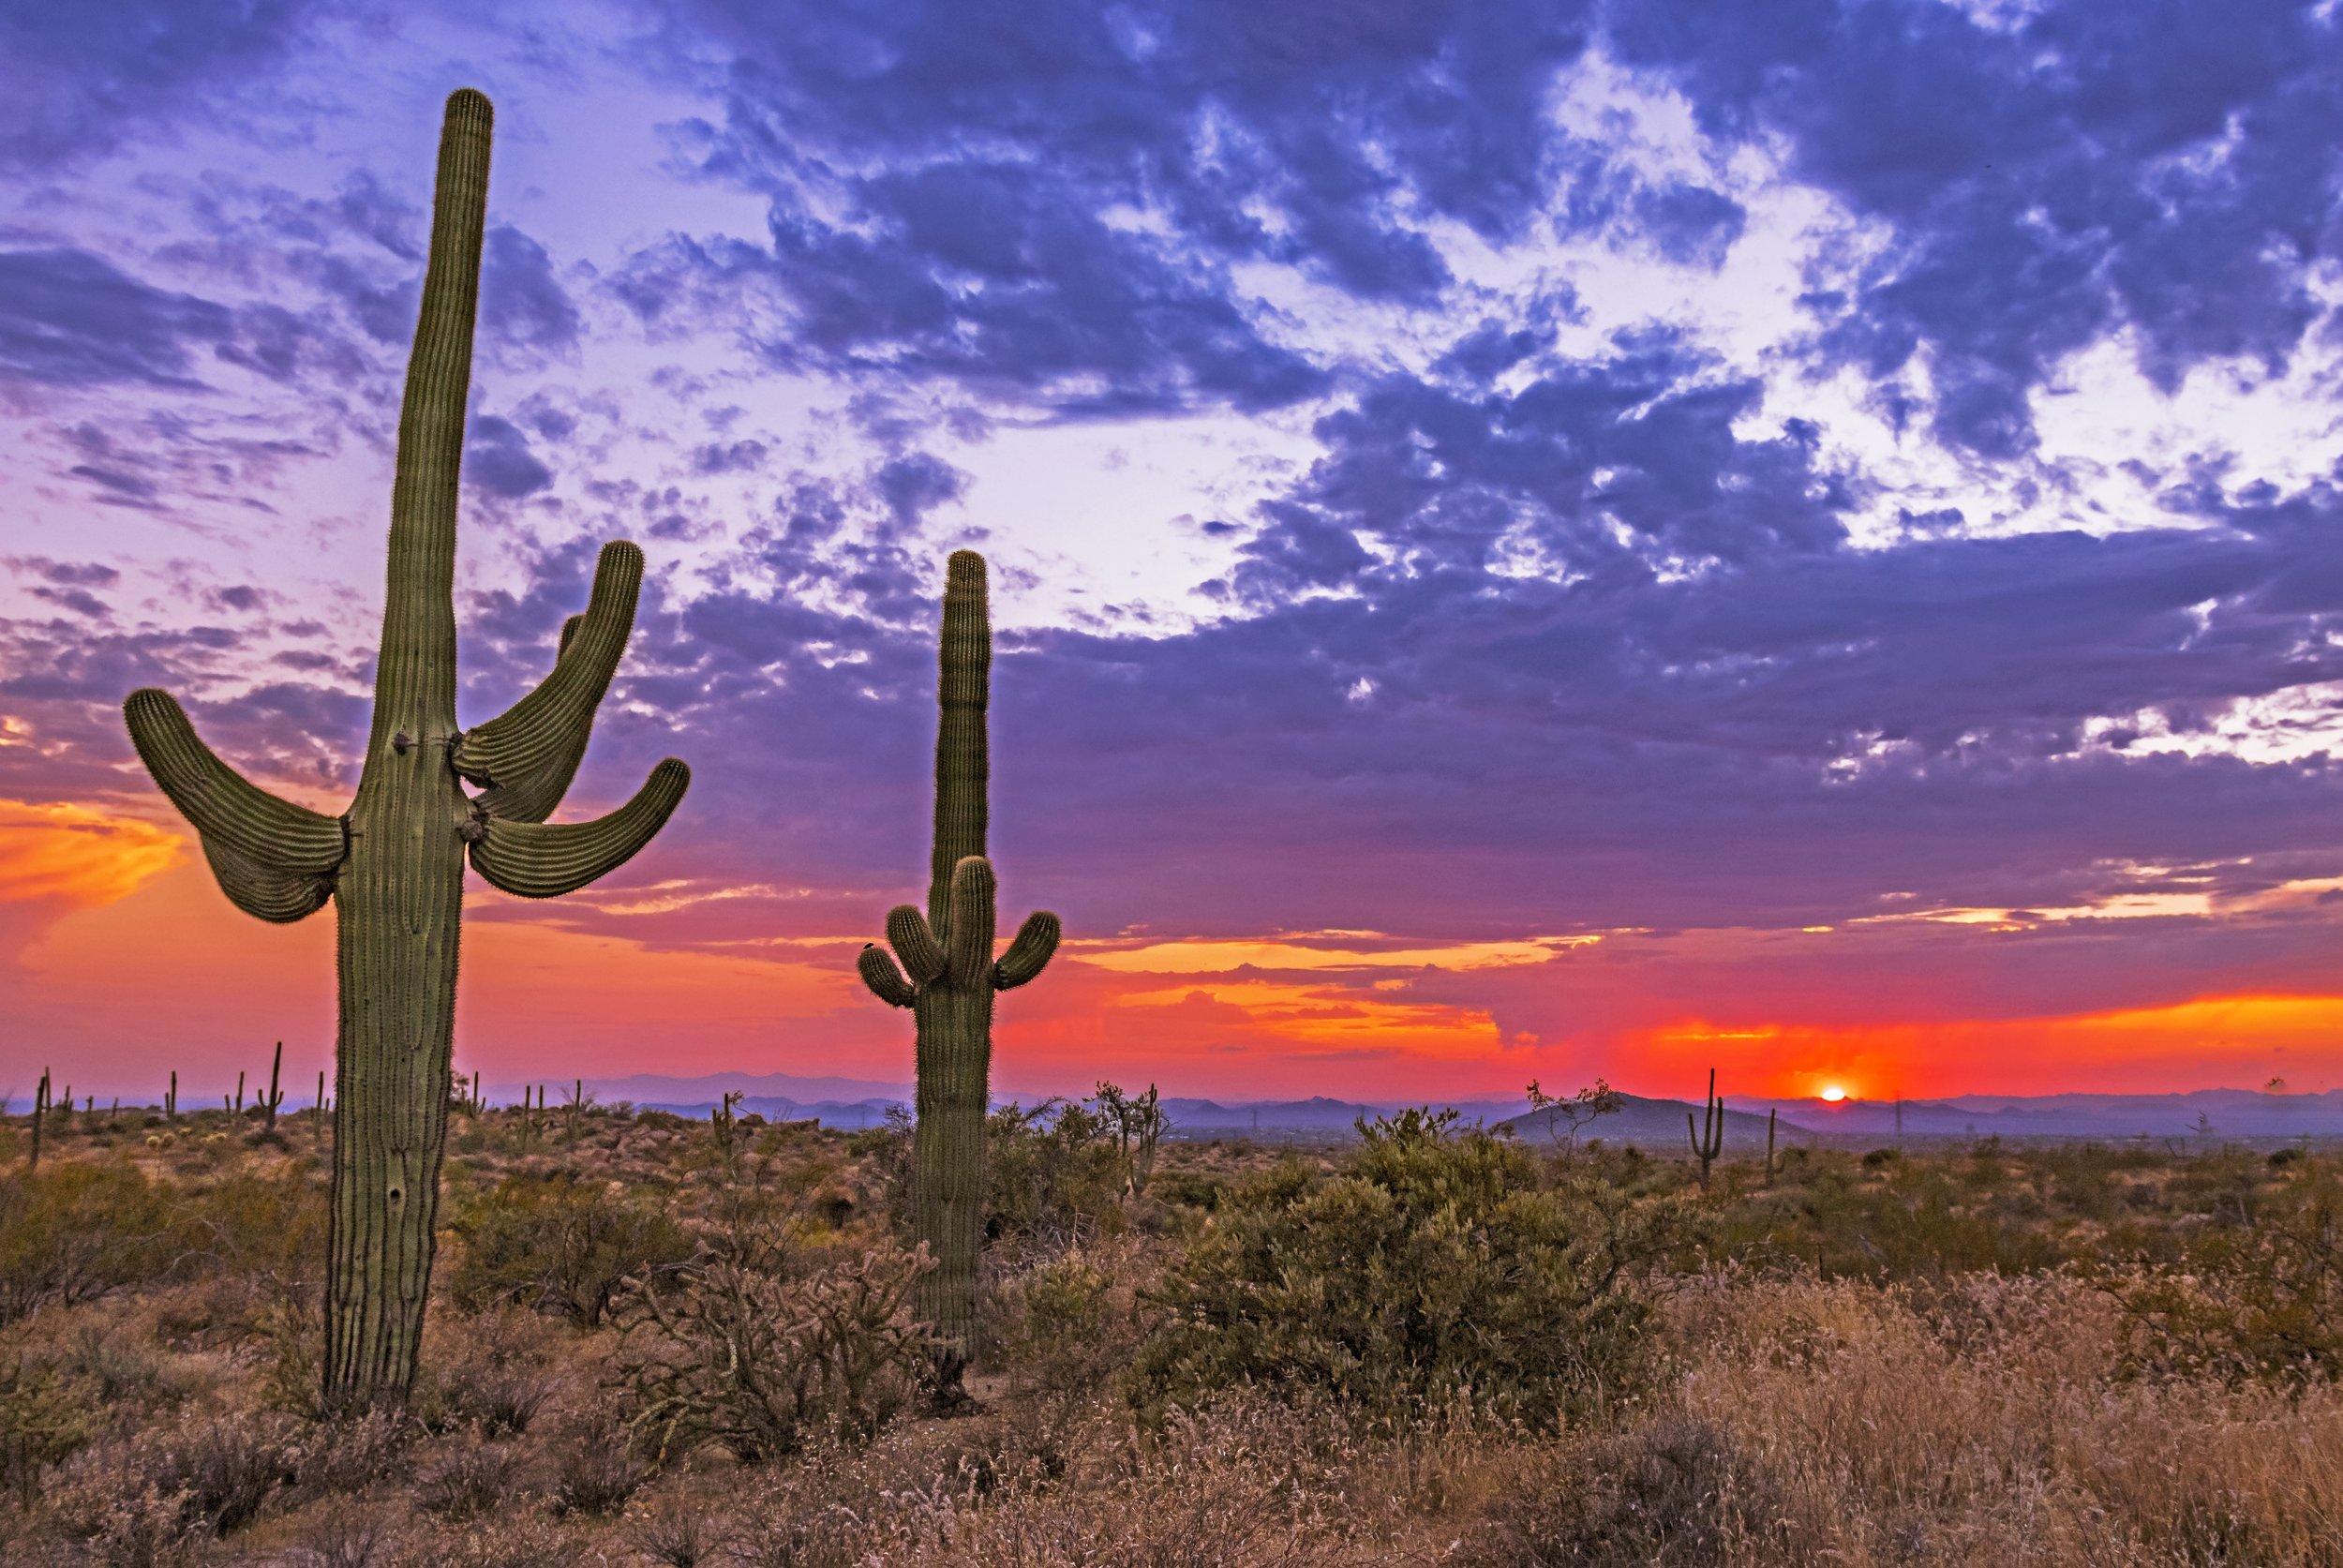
(942,969)
(393,864)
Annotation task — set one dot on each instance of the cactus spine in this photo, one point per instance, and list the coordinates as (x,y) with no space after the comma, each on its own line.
(942,969)
(1708,1142)
(394,863)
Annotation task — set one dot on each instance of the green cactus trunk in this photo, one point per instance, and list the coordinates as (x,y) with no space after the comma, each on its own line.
(954,1064)
(946,976)
(394,864)
(400,897)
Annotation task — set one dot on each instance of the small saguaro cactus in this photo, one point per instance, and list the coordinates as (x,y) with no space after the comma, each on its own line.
(41,1114)
(393,864)
(1708,1142)
(944,971)
(276,1100)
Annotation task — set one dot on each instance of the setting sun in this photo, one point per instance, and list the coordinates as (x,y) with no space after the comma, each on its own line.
(1834,1094)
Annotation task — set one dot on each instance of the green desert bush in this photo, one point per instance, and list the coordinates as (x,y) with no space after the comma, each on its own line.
(74,1230)
(2260,1300)
(269,1228)
(1431,1269)
(1052,1174)
(561,1244)
(46,1416)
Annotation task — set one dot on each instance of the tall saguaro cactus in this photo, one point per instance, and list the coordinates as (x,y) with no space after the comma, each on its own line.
(394,862)
(944,971)
(1708,1142)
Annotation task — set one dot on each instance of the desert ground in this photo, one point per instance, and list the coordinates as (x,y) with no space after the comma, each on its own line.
(661,1341)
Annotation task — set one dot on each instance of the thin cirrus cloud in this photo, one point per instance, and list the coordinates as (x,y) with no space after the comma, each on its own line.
(1604,486)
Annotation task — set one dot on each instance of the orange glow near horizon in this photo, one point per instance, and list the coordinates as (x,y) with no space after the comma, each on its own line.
(2233,1041)
(126,961)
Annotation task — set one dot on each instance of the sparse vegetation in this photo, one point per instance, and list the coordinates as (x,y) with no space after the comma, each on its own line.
(1431,1344)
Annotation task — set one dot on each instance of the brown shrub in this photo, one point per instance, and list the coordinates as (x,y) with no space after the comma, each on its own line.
(1671,1492)
(476,1478)
(491,1372)
(762,1356)
(595,1469)
(675,1533)
(200,1476)
(346,1534)
(356,1454)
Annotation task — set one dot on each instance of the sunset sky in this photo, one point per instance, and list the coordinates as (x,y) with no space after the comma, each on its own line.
(1529,539)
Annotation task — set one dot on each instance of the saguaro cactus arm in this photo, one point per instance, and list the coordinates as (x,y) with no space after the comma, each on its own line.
(968,943)
(527,755)
(535,860)
(1029,953)
(273,858)
(913,941)
(886,982)
(264,892)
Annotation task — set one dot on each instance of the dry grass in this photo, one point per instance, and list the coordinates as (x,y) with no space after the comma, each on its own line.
(1989,1425)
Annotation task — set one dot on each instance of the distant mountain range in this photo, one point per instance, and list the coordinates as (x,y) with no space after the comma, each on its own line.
(853,1103)
(2227,1113)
